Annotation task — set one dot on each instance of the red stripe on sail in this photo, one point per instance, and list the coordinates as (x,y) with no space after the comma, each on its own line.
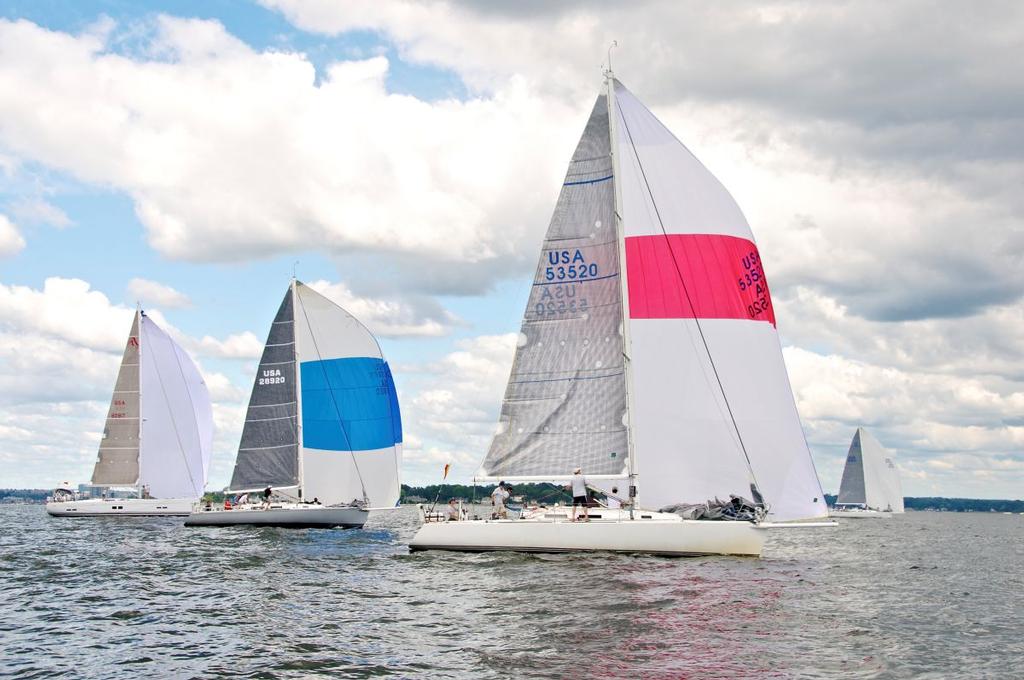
(722,274)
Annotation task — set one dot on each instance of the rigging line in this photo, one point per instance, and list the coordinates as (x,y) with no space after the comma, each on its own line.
(330,389)
(689,301)
(174,422)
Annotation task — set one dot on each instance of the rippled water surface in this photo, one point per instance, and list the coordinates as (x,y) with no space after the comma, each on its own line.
(924,595)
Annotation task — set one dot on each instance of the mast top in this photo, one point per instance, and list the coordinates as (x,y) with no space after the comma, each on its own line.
(609,73)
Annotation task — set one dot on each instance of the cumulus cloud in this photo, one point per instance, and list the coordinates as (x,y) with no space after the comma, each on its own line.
(413,315)
(251,154)
(11,241)
(453,407)
(155,293)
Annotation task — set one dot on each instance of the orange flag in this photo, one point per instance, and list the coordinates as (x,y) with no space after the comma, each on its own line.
(445,475)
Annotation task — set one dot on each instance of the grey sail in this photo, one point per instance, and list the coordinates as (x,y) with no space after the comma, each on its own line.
(565,404)
(268,451)
(117,463)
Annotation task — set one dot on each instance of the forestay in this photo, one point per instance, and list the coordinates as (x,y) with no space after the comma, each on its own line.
(870,477)
(565,404)
(708,374)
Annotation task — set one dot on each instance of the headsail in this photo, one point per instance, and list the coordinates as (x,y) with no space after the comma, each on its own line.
(117,462)
(351,424)
(177,418)
(268,453)
(870,476)
(565,404)
(710,385)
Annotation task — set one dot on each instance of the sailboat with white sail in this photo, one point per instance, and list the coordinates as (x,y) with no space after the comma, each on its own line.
(648,353)
(322,441)
(871,483)
(155,453)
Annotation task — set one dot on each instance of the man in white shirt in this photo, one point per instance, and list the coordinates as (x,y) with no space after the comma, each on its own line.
(498,497)
(579,494)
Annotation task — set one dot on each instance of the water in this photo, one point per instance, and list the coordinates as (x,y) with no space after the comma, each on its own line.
(926,595)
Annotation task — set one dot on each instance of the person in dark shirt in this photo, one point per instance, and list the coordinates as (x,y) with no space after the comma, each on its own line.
(266,497)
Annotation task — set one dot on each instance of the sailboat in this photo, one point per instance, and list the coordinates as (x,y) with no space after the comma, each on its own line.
(871,484)
(669,377)
(322,440)
(157,438)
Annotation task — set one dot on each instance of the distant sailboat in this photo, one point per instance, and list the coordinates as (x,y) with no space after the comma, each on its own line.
(871,484)
(670,377)
(323,430)
(158,436)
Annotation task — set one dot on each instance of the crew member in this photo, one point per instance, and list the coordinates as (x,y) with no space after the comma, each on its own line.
(579,494)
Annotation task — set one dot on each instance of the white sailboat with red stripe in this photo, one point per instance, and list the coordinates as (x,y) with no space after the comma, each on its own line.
(670,378)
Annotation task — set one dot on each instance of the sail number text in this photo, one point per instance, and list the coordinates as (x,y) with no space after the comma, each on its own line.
(569,265)
(752,282)
(271,376)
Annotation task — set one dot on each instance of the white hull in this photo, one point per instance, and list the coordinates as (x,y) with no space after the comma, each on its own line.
(122,507)
(859,514)
(287,515)
(650,532)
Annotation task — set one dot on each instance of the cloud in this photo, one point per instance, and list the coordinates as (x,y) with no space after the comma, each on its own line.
(415,315)
(11,241)
(252,153)
(38,211)
(452,408)
(154,293)
(244,345)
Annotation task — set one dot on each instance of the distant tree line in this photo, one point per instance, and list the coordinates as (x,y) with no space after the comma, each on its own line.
(554,493)
(953,504)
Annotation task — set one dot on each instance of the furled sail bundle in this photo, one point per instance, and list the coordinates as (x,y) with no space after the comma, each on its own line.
(674,372)
(323,418)
(159,428)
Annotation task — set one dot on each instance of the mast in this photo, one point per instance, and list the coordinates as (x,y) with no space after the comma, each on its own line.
(620,235)
(138,339)
(298,386)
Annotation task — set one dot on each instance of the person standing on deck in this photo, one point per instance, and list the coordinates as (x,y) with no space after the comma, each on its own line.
(579,494)
(498,497)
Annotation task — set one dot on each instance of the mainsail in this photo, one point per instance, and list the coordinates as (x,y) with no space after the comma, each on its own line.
(159,429)
(117,463)
(565,404)
(268,454)
(870,477)
(323,417)
(691,379)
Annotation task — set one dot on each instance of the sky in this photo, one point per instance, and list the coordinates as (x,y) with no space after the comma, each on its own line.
(404,158)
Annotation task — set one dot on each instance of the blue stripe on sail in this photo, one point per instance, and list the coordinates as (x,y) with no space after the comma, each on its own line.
(588,181)
(362,392)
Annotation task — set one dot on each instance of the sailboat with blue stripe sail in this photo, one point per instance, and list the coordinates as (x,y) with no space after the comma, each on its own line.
(322,441)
